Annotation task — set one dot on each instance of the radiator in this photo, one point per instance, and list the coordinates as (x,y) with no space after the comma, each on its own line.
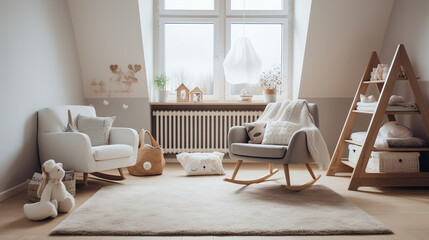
(198,131)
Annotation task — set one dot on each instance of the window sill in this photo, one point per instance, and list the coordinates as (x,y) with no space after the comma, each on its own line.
(209,103)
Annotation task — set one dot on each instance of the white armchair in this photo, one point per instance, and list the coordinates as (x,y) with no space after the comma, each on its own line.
(74,150)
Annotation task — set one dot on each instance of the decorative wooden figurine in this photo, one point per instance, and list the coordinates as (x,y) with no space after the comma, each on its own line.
(196,95)
(182,93)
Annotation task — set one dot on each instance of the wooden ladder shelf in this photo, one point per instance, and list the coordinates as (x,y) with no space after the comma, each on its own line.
(360,176)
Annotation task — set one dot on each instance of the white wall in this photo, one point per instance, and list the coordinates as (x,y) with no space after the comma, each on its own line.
(146,8)
(109,32)
(40,68)
(112,32)
(409,24)
(300,18)
(341,36)
(332,42)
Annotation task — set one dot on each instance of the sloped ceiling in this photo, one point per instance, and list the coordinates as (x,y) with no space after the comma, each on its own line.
(341,35)
(108,32)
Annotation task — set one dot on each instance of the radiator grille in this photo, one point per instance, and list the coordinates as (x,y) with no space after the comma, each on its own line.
(198,131)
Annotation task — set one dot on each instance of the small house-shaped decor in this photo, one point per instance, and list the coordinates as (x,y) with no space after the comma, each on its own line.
(196,95)
(182,93)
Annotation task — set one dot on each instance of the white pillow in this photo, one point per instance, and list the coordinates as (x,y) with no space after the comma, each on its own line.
(255,131)
(97,128)
(279,132)
(395,130)
(202,163)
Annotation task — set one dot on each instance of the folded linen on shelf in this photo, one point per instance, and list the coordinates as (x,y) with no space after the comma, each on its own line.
(366,104)
(359,137)
(396,103)
(381,142)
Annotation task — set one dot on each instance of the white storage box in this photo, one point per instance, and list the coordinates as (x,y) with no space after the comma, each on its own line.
(387,162)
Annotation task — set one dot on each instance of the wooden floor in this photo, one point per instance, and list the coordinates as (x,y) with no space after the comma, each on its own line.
(404,210)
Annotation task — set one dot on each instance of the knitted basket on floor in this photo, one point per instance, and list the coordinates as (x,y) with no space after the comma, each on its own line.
(33,186)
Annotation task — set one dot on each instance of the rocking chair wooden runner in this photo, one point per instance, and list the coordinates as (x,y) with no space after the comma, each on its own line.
(294,153)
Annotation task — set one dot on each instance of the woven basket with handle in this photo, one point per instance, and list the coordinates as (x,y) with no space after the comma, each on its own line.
(150,161)
(33,186)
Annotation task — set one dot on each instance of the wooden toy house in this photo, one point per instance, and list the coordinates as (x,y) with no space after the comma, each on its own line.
(196,95)
(182,93)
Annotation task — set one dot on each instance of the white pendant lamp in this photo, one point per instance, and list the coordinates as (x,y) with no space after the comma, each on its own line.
(242,64)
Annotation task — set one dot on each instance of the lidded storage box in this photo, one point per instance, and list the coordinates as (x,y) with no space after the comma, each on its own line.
(387,162)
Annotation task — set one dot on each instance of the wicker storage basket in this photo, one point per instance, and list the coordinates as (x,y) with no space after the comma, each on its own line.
(387,162)
(33,186)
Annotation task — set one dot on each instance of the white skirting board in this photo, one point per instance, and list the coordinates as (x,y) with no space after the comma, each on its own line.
(13,190)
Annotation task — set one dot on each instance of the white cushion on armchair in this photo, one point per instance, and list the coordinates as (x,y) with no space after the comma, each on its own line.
(74,149)
(107,152)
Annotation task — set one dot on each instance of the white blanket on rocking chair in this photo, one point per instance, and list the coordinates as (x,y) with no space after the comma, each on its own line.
(296,112)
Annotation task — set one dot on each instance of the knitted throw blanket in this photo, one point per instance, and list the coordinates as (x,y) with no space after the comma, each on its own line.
(297,112)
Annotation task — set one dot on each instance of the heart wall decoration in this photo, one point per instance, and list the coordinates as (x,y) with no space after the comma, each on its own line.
(121,82)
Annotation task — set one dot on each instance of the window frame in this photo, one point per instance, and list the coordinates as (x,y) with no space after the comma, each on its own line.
(222,17)
(266,13)
(164,12)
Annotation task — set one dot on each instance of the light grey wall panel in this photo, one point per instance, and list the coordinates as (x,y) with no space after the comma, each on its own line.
(136,116)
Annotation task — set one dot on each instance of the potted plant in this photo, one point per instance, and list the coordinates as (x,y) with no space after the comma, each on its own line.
(159,81)
(269,82)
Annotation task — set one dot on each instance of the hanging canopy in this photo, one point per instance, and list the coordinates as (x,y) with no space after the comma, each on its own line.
(242,64)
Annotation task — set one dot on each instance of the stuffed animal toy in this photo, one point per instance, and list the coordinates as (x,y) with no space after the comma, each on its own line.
(53,195)
(369,99)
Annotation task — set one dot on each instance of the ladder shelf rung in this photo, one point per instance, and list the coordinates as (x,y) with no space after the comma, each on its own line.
(382,81)
(388,112)
(348,163)
(353,165)
(391,149)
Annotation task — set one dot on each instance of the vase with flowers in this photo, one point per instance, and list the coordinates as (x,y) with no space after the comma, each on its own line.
(269,82)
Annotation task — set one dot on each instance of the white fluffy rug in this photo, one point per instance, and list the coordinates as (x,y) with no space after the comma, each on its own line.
(217,209)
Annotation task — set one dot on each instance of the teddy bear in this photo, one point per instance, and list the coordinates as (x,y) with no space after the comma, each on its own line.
(53,195)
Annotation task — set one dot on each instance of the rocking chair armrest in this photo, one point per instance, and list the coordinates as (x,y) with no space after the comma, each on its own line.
(297,150)
(72,149)
(129,136)
(237,134)
(298,136)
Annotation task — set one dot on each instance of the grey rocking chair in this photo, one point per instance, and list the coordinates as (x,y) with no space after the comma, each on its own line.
(294,153)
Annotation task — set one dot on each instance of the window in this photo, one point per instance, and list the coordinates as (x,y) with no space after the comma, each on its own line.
(266,37)
(189,54)
(194,37)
